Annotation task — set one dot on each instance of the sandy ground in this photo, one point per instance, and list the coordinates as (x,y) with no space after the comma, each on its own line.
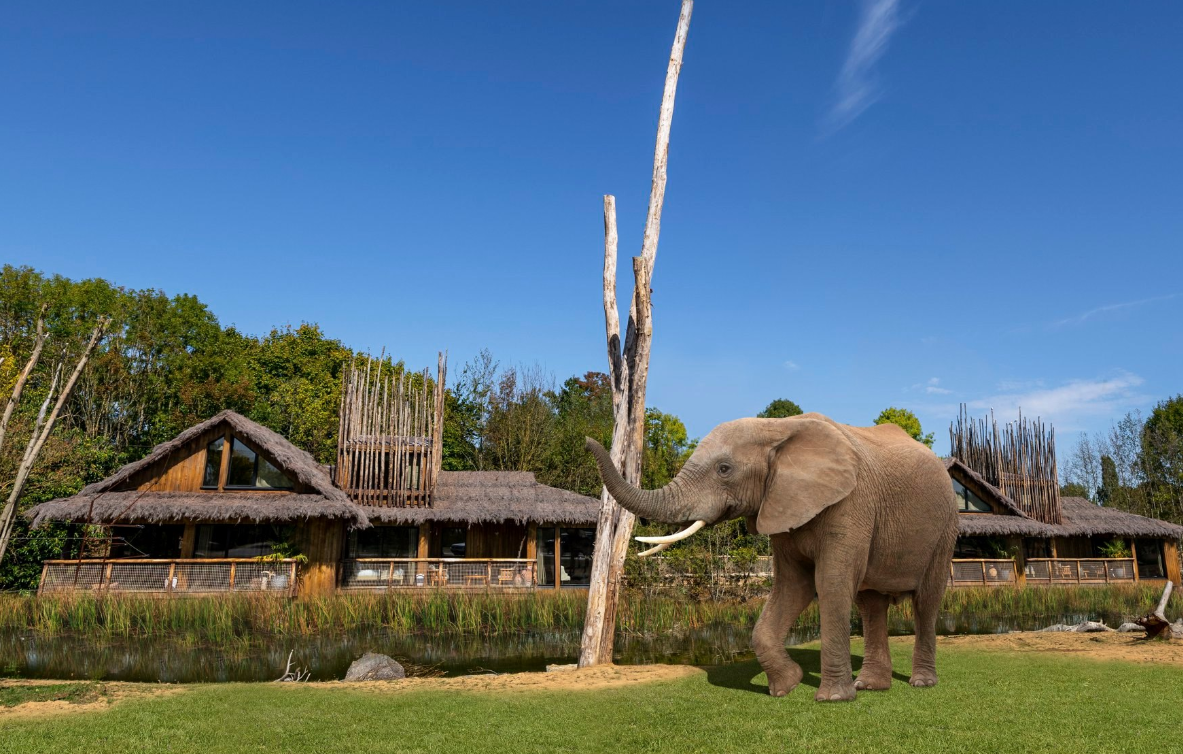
(1106,646)
(1123,647)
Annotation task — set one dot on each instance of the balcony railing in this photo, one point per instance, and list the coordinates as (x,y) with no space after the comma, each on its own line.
(978,572)
(438,573)
(189,576)
(1079,571)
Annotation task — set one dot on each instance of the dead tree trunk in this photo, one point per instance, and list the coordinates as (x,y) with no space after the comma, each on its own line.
(41,433)
(1156,623)
(628,372)
(23,377)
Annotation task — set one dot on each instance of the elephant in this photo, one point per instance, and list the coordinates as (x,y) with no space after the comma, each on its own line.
(857,515)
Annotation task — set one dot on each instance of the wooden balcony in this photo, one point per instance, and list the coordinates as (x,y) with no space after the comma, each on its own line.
(1047,571)
(982,572)
(439,573)
(168,577)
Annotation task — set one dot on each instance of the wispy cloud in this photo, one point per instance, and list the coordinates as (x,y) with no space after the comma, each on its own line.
(792,366)
(932,387)
(1066,404)
(1084,317)
(856,89)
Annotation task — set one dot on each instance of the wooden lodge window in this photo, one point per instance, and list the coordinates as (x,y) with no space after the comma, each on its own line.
(246,469)
(453,542)
(147,541)
(236,540)
(968,502)
(1150,559)
(385,542)
(574,545)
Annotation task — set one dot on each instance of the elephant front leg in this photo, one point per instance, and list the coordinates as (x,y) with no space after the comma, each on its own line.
(835,594)
(792,591)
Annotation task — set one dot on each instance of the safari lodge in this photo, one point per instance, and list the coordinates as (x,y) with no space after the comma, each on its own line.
(229,505)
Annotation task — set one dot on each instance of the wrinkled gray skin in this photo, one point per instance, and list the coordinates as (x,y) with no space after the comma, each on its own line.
(860,515)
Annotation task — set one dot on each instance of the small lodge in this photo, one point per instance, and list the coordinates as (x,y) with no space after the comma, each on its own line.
(229,505)
(1015,528)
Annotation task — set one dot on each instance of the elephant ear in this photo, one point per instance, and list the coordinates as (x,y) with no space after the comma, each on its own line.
(810,469)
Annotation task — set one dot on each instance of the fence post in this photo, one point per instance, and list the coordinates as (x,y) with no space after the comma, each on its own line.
(232,569)
(172,574)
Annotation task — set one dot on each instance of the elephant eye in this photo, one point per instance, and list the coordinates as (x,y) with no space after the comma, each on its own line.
(724,469)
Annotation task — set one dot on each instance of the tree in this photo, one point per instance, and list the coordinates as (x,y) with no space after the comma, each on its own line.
(780,409)
(1074,489)
(666,449)
(1109,481)
(905,419)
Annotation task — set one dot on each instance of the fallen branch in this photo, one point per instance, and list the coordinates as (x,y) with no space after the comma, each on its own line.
(1156,623)
(293,675)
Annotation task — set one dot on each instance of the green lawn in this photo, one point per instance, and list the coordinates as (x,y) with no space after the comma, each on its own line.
(986,702)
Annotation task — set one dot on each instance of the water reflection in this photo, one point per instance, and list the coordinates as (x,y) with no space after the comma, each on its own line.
(328,657)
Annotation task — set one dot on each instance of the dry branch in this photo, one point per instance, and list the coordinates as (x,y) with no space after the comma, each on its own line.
(1156,623)
(15,398)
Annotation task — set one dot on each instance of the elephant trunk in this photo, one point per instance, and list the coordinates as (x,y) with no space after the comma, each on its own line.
(667,504)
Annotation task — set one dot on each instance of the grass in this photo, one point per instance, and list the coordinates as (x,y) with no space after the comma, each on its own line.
(229,618)
(12,694)
(986,702)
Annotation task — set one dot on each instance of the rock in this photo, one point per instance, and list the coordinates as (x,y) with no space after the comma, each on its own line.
(1129,628)
(560,668)
(1090,627)
(375,667)
(1056,628)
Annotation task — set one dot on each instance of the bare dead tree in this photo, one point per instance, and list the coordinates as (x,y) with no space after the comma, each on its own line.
(42,430)
(628,372)
(23,377)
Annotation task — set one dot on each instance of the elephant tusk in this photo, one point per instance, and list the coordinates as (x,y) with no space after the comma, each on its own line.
(652,550)
(669,539)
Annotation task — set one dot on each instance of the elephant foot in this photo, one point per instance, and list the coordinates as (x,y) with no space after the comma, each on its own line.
(782,682)
(835,691)
(923,678)
(873,679)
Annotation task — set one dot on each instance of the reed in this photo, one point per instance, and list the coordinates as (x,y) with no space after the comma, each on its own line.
(232,618)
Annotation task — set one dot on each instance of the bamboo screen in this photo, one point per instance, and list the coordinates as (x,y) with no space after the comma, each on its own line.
(1019,459)
(390,441)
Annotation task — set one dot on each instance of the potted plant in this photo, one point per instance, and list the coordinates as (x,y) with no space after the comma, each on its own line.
(1115,549)
(280,551)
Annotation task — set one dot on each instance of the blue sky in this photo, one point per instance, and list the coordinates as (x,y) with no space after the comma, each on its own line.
(869,204)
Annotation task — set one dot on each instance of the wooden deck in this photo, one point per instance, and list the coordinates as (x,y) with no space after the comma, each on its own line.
(175,576)
(1042,571)
(439,573)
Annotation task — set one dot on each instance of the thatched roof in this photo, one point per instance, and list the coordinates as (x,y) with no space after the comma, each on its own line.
(472,497)
(132,507)
(104,502)
(1081,517)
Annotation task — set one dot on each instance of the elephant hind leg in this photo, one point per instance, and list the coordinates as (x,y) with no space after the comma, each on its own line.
(792,591)
(875,674)
(926,604)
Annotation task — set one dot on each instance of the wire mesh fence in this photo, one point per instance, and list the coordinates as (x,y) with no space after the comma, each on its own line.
(981,572)
(170,576)
(438,573)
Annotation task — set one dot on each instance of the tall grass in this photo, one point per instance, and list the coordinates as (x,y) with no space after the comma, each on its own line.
(231,618)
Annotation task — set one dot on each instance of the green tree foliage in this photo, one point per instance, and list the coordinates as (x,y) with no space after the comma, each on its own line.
(666,448)
(907,420)
(1074,489)
(780,409)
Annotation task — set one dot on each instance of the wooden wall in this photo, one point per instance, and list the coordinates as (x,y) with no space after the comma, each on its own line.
(323,542)
(1171,556)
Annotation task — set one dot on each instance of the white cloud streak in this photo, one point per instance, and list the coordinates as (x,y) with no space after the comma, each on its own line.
(856,88)
(1084,317)
(1066,404)
(792,366)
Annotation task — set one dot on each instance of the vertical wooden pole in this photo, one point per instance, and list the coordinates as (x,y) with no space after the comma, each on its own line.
(424,540)
(628,371)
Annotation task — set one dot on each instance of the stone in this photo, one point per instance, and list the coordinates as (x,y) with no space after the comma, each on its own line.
(1056,628)
(1130,628)
(375,667)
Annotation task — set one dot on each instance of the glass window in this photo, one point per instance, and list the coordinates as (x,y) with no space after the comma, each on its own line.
(236,540)
(385,542)
(1150,560)
(968,502)
(453,542)
(249,470)
(546,555)
(148,541)
(242,466)
(213,463)
(575,556)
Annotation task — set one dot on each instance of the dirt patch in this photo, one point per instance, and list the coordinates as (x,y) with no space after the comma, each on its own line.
(48,698)
(586,679)
(1101,646)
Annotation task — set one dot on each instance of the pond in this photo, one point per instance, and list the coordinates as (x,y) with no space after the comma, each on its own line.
(167,660)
